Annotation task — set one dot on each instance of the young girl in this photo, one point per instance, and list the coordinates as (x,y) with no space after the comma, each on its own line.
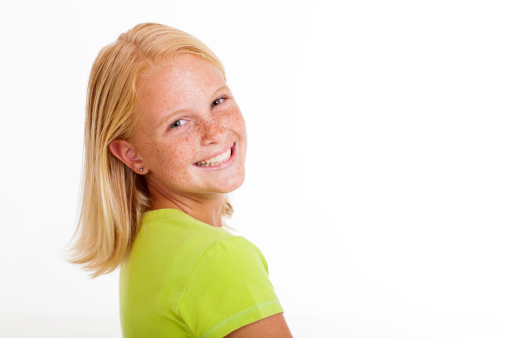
(165,142)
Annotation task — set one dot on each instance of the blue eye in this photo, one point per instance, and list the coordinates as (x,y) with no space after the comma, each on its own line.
(178,123)
(217,102)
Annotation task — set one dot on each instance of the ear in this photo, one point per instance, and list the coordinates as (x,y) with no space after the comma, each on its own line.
(127,153)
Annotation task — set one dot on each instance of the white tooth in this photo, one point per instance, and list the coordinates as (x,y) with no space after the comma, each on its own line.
(217,159)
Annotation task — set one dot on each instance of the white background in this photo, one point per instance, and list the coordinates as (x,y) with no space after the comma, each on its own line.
(376,174)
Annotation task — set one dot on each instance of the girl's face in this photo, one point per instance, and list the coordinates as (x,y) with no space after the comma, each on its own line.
(190,136)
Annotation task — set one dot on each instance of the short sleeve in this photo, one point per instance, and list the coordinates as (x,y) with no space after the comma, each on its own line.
(228,288)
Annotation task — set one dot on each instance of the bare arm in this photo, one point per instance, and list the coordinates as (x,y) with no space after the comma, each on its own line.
(270,327)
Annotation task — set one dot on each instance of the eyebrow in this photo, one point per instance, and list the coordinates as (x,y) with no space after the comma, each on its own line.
(171,115)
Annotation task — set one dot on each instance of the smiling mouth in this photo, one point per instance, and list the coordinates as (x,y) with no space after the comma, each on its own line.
(217,160)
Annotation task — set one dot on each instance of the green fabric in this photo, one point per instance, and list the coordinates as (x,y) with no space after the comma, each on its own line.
(185,278)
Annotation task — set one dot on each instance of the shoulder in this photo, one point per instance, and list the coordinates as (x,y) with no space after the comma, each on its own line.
(166,249)
(232,252)
(230,284)
(163,257)
(165,232)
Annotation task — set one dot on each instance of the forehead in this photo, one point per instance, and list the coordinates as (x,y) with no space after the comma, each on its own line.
(181,82)
(177,79)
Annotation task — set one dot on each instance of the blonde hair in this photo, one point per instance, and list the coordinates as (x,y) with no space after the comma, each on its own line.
(113,197)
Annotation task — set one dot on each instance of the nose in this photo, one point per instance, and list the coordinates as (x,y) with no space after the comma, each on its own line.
(213,130)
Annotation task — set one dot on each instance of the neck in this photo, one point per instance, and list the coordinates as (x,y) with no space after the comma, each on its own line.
(206,207)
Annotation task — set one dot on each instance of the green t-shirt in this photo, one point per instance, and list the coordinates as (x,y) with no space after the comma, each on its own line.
(185,278)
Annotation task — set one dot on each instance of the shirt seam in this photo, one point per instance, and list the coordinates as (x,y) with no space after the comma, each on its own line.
(239,315)
(160,217)
(180,216)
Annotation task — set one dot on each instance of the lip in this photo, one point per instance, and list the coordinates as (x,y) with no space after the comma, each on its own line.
(219,152)
(221,165)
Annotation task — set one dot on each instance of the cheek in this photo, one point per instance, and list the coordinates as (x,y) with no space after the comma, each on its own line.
(176,154)
(242,127)
(237,124)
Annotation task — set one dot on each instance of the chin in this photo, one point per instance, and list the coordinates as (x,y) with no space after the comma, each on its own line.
(230,185)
